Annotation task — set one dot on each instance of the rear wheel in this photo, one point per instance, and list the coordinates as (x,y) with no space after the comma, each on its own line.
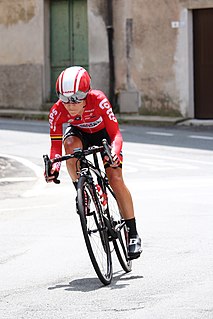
(121,243)
(94,230)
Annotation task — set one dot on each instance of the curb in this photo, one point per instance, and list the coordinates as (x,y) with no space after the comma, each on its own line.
(148,120)
(24,114)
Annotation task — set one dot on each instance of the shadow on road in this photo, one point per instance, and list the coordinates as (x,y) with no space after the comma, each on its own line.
(119,281)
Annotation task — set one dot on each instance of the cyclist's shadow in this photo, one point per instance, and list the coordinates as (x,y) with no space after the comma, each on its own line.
(119,281)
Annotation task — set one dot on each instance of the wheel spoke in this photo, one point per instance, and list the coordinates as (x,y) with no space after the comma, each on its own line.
(95,233)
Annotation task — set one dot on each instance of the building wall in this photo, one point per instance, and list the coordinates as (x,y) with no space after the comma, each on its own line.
(148,46)
(98,45)
(22,53)
(153,53)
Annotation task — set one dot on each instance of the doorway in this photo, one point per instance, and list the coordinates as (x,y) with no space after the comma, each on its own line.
(68,37)
(203,63)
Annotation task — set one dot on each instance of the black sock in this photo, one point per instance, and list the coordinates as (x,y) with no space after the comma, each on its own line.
(131,224)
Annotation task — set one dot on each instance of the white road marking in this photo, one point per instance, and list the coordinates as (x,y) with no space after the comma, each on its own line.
(17,179)
(35,168)
(168,157)
(157,165)
(160,133)
(25,208)
(145,159)
(38,171)
(201,137)
(182,182)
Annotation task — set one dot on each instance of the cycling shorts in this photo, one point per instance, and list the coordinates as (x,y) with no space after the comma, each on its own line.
(89,139)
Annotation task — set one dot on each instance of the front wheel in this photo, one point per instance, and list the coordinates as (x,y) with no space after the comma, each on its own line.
(94,230)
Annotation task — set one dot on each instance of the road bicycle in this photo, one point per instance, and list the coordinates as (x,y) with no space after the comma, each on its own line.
(103,227)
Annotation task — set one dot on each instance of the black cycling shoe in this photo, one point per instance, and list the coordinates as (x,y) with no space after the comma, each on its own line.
(134,248)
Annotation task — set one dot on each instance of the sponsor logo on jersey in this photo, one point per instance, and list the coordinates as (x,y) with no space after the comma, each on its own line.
(104,104)
(87,111)
(91,124)
(52,119)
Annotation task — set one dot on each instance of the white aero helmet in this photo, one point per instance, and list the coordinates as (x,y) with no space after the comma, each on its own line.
(73,84)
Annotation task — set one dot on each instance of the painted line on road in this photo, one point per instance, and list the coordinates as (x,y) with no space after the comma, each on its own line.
(25,208)
(201,137)
(159,165)
(38,171)
(17,179)
(160,133)
(169,158)
(35,168)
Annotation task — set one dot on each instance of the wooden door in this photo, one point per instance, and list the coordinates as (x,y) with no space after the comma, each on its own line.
(203,63)
(68,37)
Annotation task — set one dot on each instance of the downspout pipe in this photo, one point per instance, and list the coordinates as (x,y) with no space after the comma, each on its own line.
(110,33)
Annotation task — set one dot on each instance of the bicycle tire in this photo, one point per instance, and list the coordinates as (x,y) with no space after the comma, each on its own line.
(121,243)
(94,230)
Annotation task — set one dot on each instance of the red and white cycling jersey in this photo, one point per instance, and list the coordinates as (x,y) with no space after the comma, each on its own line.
(97,115)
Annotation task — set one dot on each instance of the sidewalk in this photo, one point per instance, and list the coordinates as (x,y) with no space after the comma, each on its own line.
(122,118)
(162,120)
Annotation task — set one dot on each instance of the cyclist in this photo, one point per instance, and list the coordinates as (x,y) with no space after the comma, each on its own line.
(90,117)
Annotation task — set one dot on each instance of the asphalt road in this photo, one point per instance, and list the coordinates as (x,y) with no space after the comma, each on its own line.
(200,137)
(44,268)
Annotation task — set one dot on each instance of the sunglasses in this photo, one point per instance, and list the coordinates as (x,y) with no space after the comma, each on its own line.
(75,98)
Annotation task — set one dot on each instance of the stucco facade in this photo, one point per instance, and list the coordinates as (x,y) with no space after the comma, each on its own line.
(158,64)
(152,45)
(21,53)
(98,44)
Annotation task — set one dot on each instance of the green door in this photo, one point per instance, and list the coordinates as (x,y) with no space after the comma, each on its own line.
(68,37)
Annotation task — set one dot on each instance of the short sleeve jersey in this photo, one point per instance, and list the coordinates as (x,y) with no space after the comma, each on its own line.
(97,115)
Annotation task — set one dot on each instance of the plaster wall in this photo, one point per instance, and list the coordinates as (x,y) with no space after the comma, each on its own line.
(154,54)
(21,53)
(98,45)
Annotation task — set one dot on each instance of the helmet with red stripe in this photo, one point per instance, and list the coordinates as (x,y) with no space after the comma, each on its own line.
(73,84)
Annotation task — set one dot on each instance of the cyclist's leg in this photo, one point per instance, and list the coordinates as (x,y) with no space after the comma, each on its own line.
(115,177)
(72,139)
(121,191)
(125,203)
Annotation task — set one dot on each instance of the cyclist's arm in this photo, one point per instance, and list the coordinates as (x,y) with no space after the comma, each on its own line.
(56,142)
(56,134)
(112,127)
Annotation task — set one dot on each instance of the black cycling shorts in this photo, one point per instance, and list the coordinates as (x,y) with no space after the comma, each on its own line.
(88,139)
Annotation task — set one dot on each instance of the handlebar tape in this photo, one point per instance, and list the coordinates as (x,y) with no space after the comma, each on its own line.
(48,166)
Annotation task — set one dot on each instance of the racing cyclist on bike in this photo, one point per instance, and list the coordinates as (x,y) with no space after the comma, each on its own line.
(90,119)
